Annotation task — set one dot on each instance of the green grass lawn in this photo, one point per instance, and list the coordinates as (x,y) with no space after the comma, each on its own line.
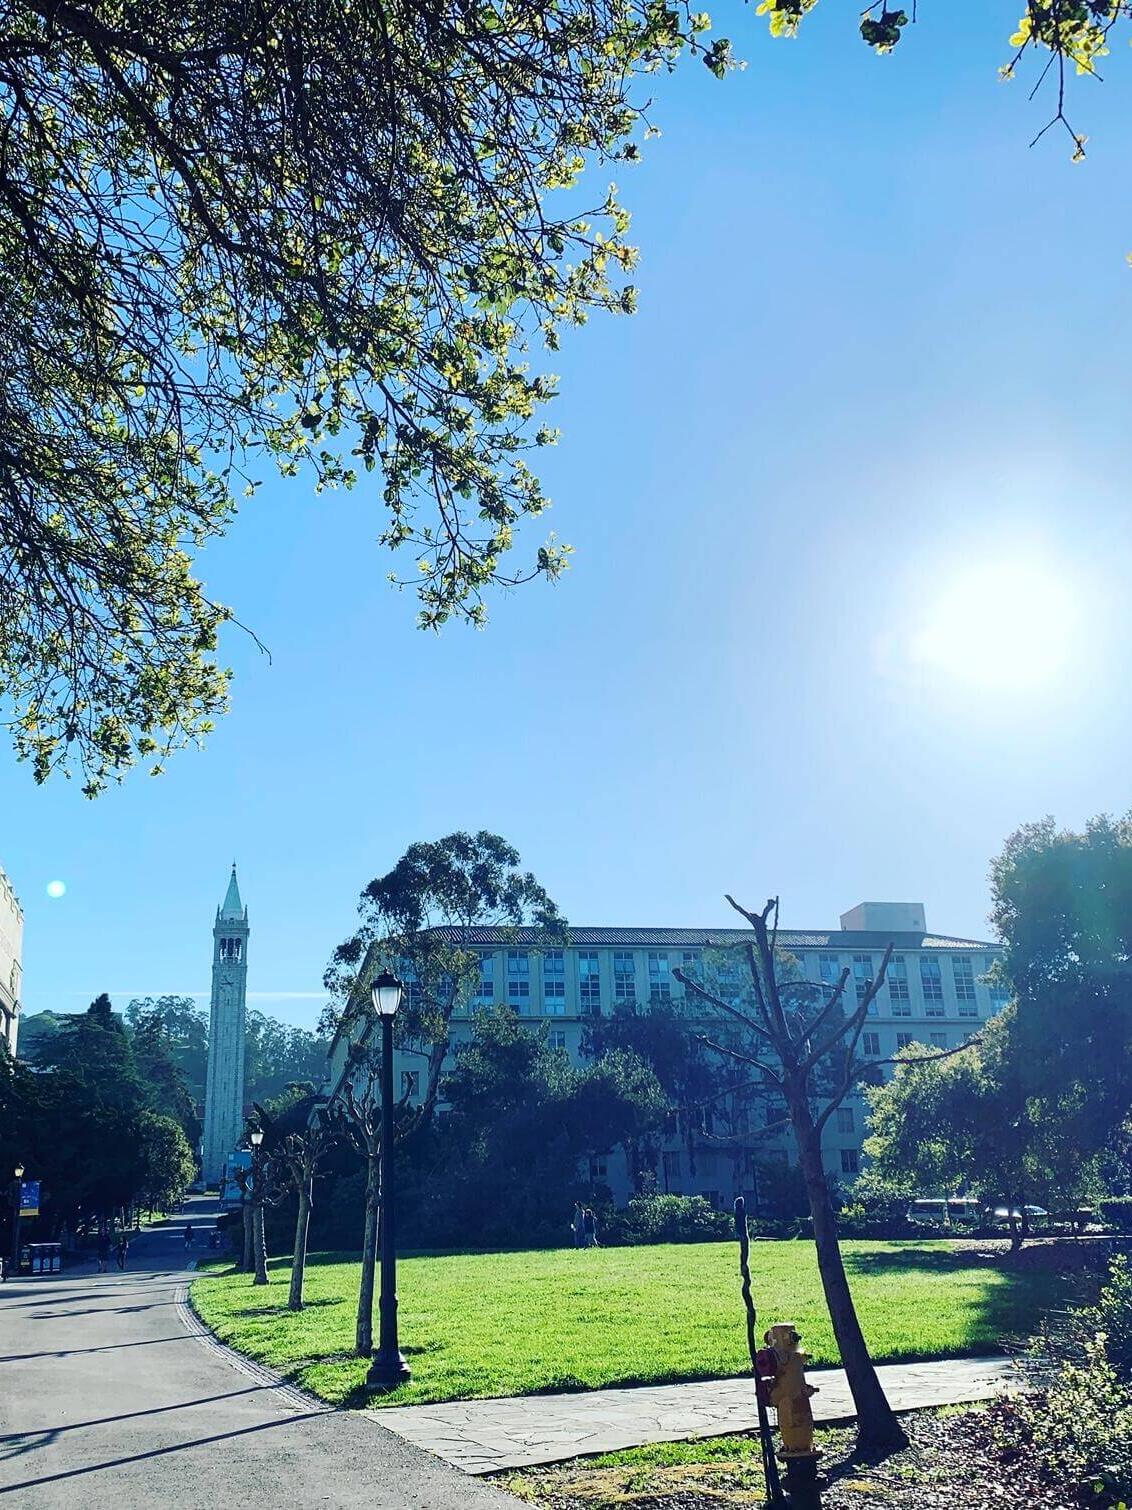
(475,1325)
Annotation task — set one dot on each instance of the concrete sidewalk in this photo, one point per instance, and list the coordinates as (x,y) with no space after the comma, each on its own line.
(109,1401)
(486,1436)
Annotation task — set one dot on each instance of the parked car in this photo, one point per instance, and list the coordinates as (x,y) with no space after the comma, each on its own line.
(1014,1213)
(955,1211)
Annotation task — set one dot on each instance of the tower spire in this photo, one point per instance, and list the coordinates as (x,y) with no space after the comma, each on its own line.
(227,1033)
(232,906)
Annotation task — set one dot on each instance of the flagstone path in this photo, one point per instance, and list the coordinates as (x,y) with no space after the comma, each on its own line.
(486,1436)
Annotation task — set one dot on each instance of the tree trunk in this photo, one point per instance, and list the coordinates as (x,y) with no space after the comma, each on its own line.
(878,1429)
(259,1245)
(302,1228)
(363,1335)
(246,1259)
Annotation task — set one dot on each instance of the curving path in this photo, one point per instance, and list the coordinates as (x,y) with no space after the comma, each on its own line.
(110,1397)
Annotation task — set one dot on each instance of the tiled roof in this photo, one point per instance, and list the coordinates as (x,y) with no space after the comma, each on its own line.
(841,939)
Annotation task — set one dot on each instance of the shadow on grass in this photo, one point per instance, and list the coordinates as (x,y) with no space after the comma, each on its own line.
(1009,1311)
(936,1260)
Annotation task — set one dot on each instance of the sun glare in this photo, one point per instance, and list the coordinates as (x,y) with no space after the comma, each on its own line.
(1006,627)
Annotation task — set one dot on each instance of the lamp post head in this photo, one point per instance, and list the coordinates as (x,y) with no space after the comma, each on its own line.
(256,1137)
(386,994)
(19,1171)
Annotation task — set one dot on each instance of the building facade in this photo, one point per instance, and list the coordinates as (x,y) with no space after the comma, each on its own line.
(11,962)
(935,993)
(224,1080)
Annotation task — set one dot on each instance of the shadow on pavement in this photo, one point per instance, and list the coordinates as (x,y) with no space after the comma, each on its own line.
(109,1347)
(158,1452)
(17,1443)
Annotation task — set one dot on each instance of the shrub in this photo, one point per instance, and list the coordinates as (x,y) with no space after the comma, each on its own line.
(1078,1430)
(880,1217)
(1117,1212)
(672,1219)
(1112,1318)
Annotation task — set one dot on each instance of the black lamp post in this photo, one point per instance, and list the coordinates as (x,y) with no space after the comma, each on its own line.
(17,1194)
(388,1368)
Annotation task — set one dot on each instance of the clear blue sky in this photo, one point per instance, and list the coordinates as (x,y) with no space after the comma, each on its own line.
(880,344)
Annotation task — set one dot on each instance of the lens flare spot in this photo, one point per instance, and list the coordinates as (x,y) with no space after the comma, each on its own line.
(1000,626)
(56,888)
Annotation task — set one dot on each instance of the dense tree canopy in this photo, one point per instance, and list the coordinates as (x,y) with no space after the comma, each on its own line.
(88,1126)
(1027,1114)
(969,1124)
(508,1159)
(313,235)
(307,233)
(186,1032)
(421,919)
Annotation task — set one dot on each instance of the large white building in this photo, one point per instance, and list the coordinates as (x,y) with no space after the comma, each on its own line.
(935,993)
(11,953)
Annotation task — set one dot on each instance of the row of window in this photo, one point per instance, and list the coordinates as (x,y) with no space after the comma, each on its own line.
(706,1163)
(931,983)
(624,979)
(518,967)
(870,1042)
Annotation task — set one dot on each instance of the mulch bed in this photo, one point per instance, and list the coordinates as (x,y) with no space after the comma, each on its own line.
(955,1459)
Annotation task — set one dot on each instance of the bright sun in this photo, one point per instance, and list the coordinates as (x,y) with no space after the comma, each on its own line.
(1006,627)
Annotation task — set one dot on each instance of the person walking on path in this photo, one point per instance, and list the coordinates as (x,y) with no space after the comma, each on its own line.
(103,1250)
(589,1228)
(122,1250)
(188,1236)
(577,1226)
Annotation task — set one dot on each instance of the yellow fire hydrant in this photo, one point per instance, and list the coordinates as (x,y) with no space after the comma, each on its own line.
(789,1392)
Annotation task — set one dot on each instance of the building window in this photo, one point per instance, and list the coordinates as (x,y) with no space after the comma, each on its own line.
(904,1039)
(964,972)
(707,1163)
(828,971)
(485,986)
(712,1198)
(672,1165)
(556,1038)
(870,1044)
(554,981)
(410,1083)
(599,1170)
(230,949)
(897,978)
(938,1040)
(863,979)
(931,980)
(660,984)
(589,983)
(414,991)
(845,1119)
(850,1161)
(624,975)
(519,979)
(775,1112)
(690,959)
(999,992)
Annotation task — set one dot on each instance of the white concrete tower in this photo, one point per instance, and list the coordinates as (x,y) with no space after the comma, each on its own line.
(224,1085)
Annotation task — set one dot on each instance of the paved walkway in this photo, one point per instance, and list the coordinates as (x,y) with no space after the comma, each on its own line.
(109,1399)
(484,1436)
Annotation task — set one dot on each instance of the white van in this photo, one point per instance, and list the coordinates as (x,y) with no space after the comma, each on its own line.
(956,1211)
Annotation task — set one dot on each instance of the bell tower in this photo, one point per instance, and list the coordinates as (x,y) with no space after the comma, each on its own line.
(224,1083)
